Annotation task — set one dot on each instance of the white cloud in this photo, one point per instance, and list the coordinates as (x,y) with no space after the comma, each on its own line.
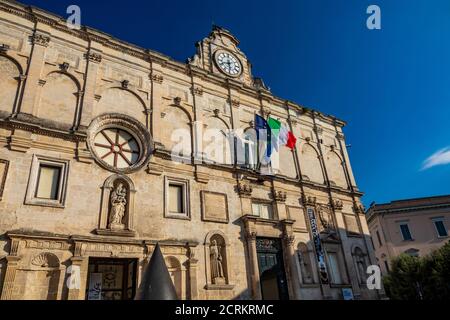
(440,157)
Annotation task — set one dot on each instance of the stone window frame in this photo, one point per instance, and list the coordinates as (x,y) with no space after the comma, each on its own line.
(3,177)
(37,161)
(270,204)
(184,183)
(204,217)
(406,223)
(335,248)
(433,220)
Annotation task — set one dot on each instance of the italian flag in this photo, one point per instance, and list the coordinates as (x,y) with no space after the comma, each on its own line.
(281,135)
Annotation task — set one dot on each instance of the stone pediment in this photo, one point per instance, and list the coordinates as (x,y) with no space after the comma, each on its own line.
(221,40)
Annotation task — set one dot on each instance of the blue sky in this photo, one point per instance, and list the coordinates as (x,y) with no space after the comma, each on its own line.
(392,85)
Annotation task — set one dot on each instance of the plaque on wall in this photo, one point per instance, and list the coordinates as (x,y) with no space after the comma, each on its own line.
(351,224)
(214,207)
(297,214)
(4,164)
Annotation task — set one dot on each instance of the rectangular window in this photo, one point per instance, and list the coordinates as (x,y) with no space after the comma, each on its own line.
(406,234)
(176,198)
(379,239)
(440,227)
(333,263)
(48,182)
(263,210)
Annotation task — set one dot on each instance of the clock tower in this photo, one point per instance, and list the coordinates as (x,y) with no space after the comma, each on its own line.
(219,54)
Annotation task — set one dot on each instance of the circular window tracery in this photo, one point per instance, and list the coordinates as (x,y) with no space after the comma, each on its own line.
(117,147)
(119,143)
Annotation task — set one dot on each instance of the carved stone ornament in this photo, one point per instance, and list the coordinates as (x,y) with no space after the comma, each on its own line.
(244,189)
(46,260)
(94,57)
(134,128)
(279,196)
(40,39)
(288,239)
(308,200)
(4,48)
(337,204)
(64,66)
(158,78)
(358,208)
(197,90)
(125,84)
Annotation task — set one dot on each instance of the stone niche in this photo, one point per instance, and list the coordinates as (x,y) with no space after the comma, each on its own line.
(42,280)
(214,207)
(117,207)
(217,261)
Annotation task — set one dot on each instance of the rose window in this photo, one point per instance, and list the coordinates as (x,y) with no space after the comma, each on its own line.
(117,148)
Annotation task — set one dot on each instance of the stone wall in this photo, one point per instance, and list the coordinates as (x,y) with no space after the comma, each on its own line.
(56,82)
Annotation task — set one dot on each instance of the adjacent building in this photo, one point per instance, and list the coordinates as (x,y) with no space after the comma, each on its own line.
(412,226)
(104,153)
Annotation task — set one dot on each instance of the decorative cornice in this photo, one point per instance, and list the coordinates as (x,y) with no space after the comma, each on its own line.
(28,124)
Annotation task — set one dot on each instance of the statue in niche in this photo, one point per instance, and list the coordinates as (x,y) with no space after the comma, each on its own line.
(361,265)
(118,205)
(305,266)
(217,273)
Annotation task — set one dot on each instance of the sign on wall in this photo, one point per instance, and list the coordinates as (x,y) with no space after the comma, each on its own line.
(95,286)
(318,246)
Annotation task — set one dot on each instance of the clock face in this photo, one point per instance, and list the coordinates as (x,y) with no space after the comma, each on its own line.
(228,63)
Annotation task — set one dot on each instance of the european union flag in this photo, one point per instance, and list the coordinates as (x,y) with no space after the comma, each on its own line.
(263,134)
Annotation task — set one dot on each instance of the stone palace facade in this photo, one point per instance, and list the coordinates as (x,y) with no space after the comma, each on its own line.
(88,183)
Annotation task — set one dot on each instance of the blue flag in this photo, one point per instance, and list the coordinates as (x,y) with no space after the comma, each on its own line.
(263,134)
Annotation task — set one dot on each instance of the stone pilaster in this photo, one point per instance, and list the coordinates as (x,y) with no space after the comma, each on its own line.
(288,242)
(192,273)
(93,59)
(250,236)
(40,42)
(10,276)
(74,292)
